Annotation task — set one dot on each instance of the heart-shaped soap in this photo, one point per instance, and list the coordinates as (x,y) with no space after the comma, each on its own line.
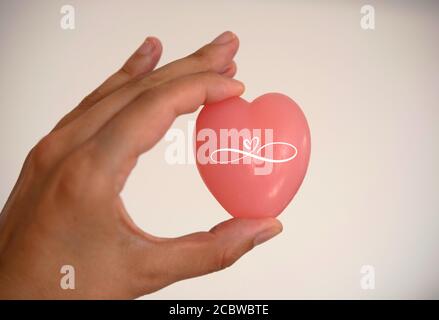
(253,156)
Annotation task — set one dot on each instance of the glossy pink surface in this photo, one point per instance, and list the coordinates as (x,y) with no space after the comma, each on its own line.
(258,188)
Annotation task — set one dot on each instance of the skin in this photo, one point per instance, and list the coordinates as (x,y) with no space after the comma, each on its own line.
(66,209)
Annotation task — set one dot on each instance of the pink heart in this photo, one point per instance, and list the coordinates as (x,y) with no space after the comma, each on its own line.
(253,156)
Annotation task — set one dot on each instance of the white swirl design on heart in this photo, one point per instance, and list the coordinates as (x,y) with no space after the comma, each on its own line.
(254,152)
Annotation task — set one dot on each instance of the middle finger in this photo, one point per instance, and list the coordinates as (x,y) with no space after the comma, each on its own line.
(217,56)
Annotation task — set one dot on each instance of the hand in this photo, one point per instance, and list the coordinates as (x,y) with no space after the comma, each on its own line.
(65,208)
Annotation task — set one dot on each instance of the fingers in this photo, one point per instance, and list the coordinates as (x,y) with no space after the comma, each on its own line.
(141,124)
(142,61)
(214,57)
(205,252)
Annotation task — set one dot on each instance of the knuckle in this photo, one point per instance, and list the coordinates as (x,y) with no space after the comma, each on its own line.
(223,259)
(149,81)
(41,156)
(209,76)
(204,58)
(74,178)
(127,71)
(146,82)
(68,182)
(151,94)
(91,98)
(202,78)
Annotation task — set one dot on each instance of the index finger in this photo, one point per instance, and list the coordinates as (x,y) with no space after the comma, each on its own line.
(141,124)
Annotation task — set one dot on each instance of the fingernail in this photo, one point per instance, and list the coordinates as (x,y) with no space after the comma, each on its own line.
(266,235)
(147,47)
(224,38)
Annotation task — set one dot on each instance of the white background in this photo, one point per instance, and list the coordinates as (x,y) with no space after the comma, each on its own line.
(371,99)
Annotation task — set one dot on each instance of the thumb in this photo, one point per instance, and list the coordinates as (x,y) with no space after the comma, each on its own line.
(205,252)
